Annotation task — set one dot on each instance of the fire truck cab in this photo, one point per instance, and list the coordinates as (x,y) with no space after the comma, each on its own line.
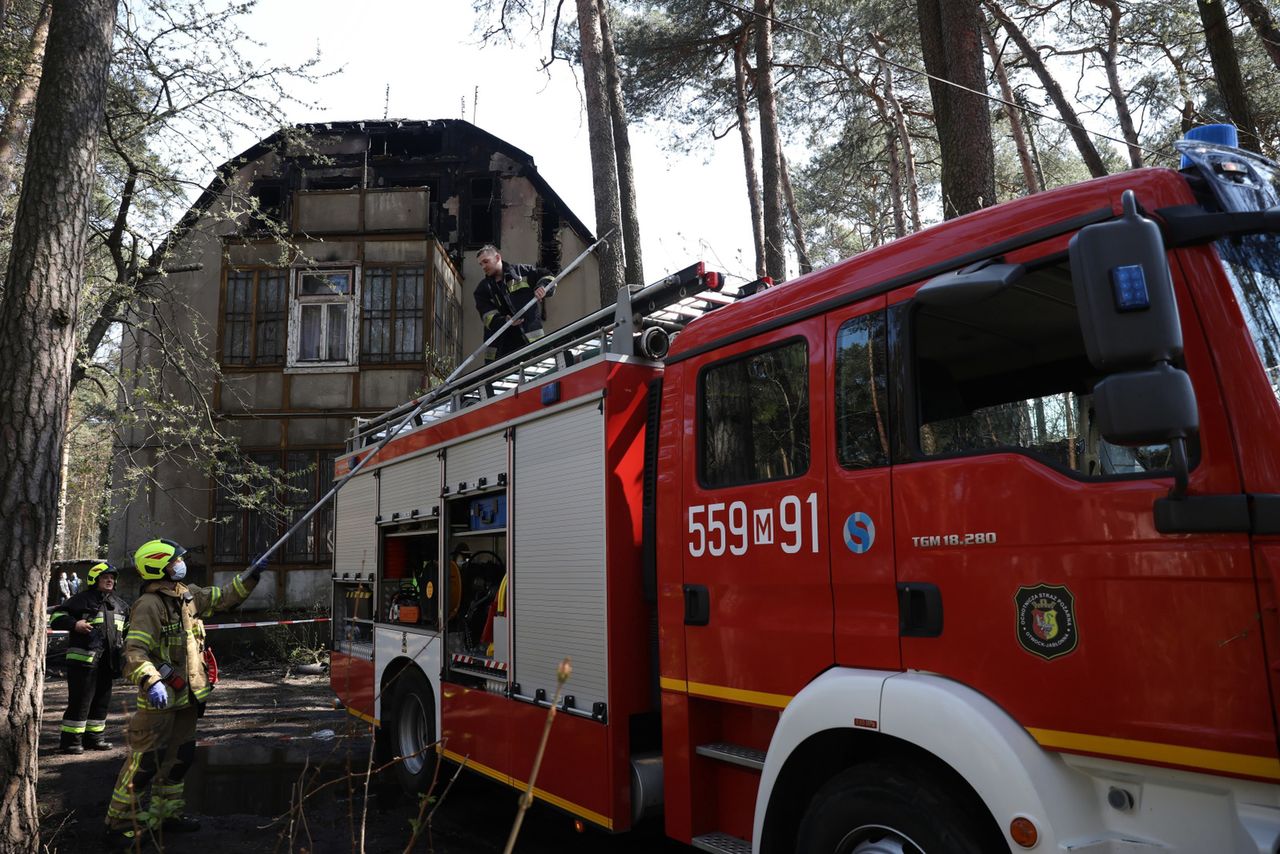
(968,543)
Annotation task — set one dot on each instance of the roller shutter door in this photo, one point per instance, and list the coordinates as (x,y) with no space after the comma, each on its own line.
(355,547)
(410,485)
(471,460)
(558,565)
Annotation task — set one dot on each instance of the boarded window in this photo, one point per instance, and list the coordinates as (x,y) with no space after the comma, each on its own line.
(754,417)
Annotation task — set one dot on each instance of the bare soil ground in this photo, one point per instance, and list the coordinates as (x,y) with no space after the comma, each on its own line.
(269,732)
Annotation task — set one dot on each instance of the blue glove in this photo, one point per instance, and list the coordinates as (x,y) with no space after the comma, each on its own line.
(255,569)
(157,696)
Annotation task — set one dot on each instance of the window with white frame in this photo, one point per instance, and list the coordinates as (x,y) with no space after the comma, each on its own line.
(322,317)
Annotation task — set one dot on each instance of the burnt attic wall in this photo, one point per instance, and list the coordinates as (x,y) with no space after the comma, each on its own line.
(455,161)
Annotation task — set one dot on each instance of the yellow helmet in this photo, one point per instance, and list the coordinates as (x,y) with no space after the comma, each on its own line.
(99,568)
(151,558)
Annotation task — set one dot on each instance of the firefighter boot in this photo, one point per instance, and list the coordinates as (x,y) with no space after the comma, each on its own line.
(120,840)
(70,743)
(96,741)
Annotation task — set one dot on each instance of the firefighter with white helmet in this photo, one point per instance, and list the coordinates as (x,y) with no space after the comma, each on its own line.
(94,620)
(165,657)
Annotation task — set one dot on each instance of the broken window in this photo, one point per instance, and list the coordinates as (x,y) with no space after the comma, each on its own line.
(268,206)
(253,318)
(484,210)
(549,237)
(321,318)
(391,314)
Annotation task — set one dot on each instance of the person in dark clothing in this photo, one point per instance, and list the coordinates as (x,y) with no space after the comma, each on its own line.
(95,619)
(501,293)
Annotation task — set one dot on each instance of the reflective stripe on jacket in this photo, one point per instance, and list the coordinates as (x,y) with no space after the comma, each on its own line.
(106,614)
(166,629)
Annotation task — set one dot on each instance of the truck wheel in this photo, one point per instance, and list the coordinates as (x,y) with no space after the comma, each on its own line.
(411,730)
(877,809)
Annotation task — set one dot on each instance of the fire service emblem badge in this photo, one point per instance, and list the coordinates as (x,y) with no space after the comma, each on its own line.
(1046,620)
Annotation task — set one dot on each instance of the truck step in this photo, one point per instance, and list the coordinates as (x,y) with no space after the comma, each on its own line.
(721,843)
(734,754)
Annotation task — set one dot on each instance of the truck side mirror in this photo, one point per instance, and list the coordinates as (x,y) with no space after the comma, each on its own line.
(1124,292)
(1124,295)
(1146,407)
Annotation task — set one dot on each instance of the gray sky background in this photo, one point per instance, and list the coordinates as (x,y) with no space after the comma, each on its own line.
(692,206)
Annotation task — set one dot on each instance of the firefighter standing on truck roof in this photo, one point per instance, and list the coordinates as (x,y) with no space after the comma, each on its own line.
(501,293)
(94,619)
(165,657)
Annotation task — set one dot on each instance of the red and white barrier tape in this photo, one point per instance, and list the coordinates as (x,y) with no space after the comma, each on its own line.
(210,627)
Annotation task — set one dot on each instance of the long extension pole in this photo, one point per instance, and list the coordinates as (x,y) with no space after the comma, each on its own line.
(423,402)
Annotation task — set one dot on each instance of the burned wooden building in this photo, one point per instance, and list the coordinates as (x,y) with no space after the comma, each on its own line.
(328,273)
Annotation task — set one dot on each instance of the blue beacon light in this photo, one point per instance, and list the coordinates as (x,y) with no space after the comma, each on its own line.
(1215,134)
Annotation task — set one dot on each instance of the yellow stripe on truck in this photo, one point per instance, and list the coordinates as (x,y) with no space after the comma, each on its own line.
(1215,761)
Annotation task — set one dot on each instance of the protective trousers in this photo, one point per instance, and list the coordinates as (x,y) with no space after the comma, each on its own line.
(88,698)
(162,745)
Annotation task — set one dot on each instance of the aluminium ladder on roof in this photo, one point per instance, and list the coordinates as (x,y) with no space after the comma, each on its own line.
(669,304)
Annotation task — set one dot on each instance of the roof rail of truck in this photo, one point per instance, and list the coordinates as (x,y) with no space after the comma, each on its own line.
(666,307)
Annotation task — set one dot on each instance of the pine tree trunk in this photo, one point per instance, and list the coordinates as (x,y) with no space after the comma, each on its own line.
(1258,15)
(1226,70)
(1118,95)
(793,212)
(775,257)
(908,155)
(1092,159)
(748,148)
(604,163)
(951,41)
(24,92)
(38,313)
(895,185)
(622,145)
(884,109)
(1015,115)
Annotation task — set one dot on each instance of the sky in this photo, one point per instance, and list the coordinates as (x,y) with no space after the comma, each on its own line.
(691,206)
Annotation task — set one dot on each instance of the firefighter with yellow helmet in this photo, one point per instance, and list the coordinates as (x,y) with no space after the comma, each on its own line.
(164,654)
(94,620)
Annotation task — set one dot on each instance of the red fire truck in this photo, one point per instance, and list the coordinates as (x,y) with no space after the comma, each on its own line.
(970,543)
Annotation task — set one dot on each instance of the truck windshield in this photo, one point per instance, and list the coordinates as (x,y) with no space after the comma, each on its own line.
(1253,267)
(1242,181)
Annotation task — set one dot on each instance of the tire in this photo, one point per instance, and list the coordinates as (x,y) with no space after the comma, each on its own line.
(885,809)
(411,730)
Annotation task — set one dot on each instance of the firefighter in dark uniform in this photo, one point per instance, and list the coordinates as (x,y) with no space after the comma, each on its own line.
(164,655)
(95,620)
(501,293)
